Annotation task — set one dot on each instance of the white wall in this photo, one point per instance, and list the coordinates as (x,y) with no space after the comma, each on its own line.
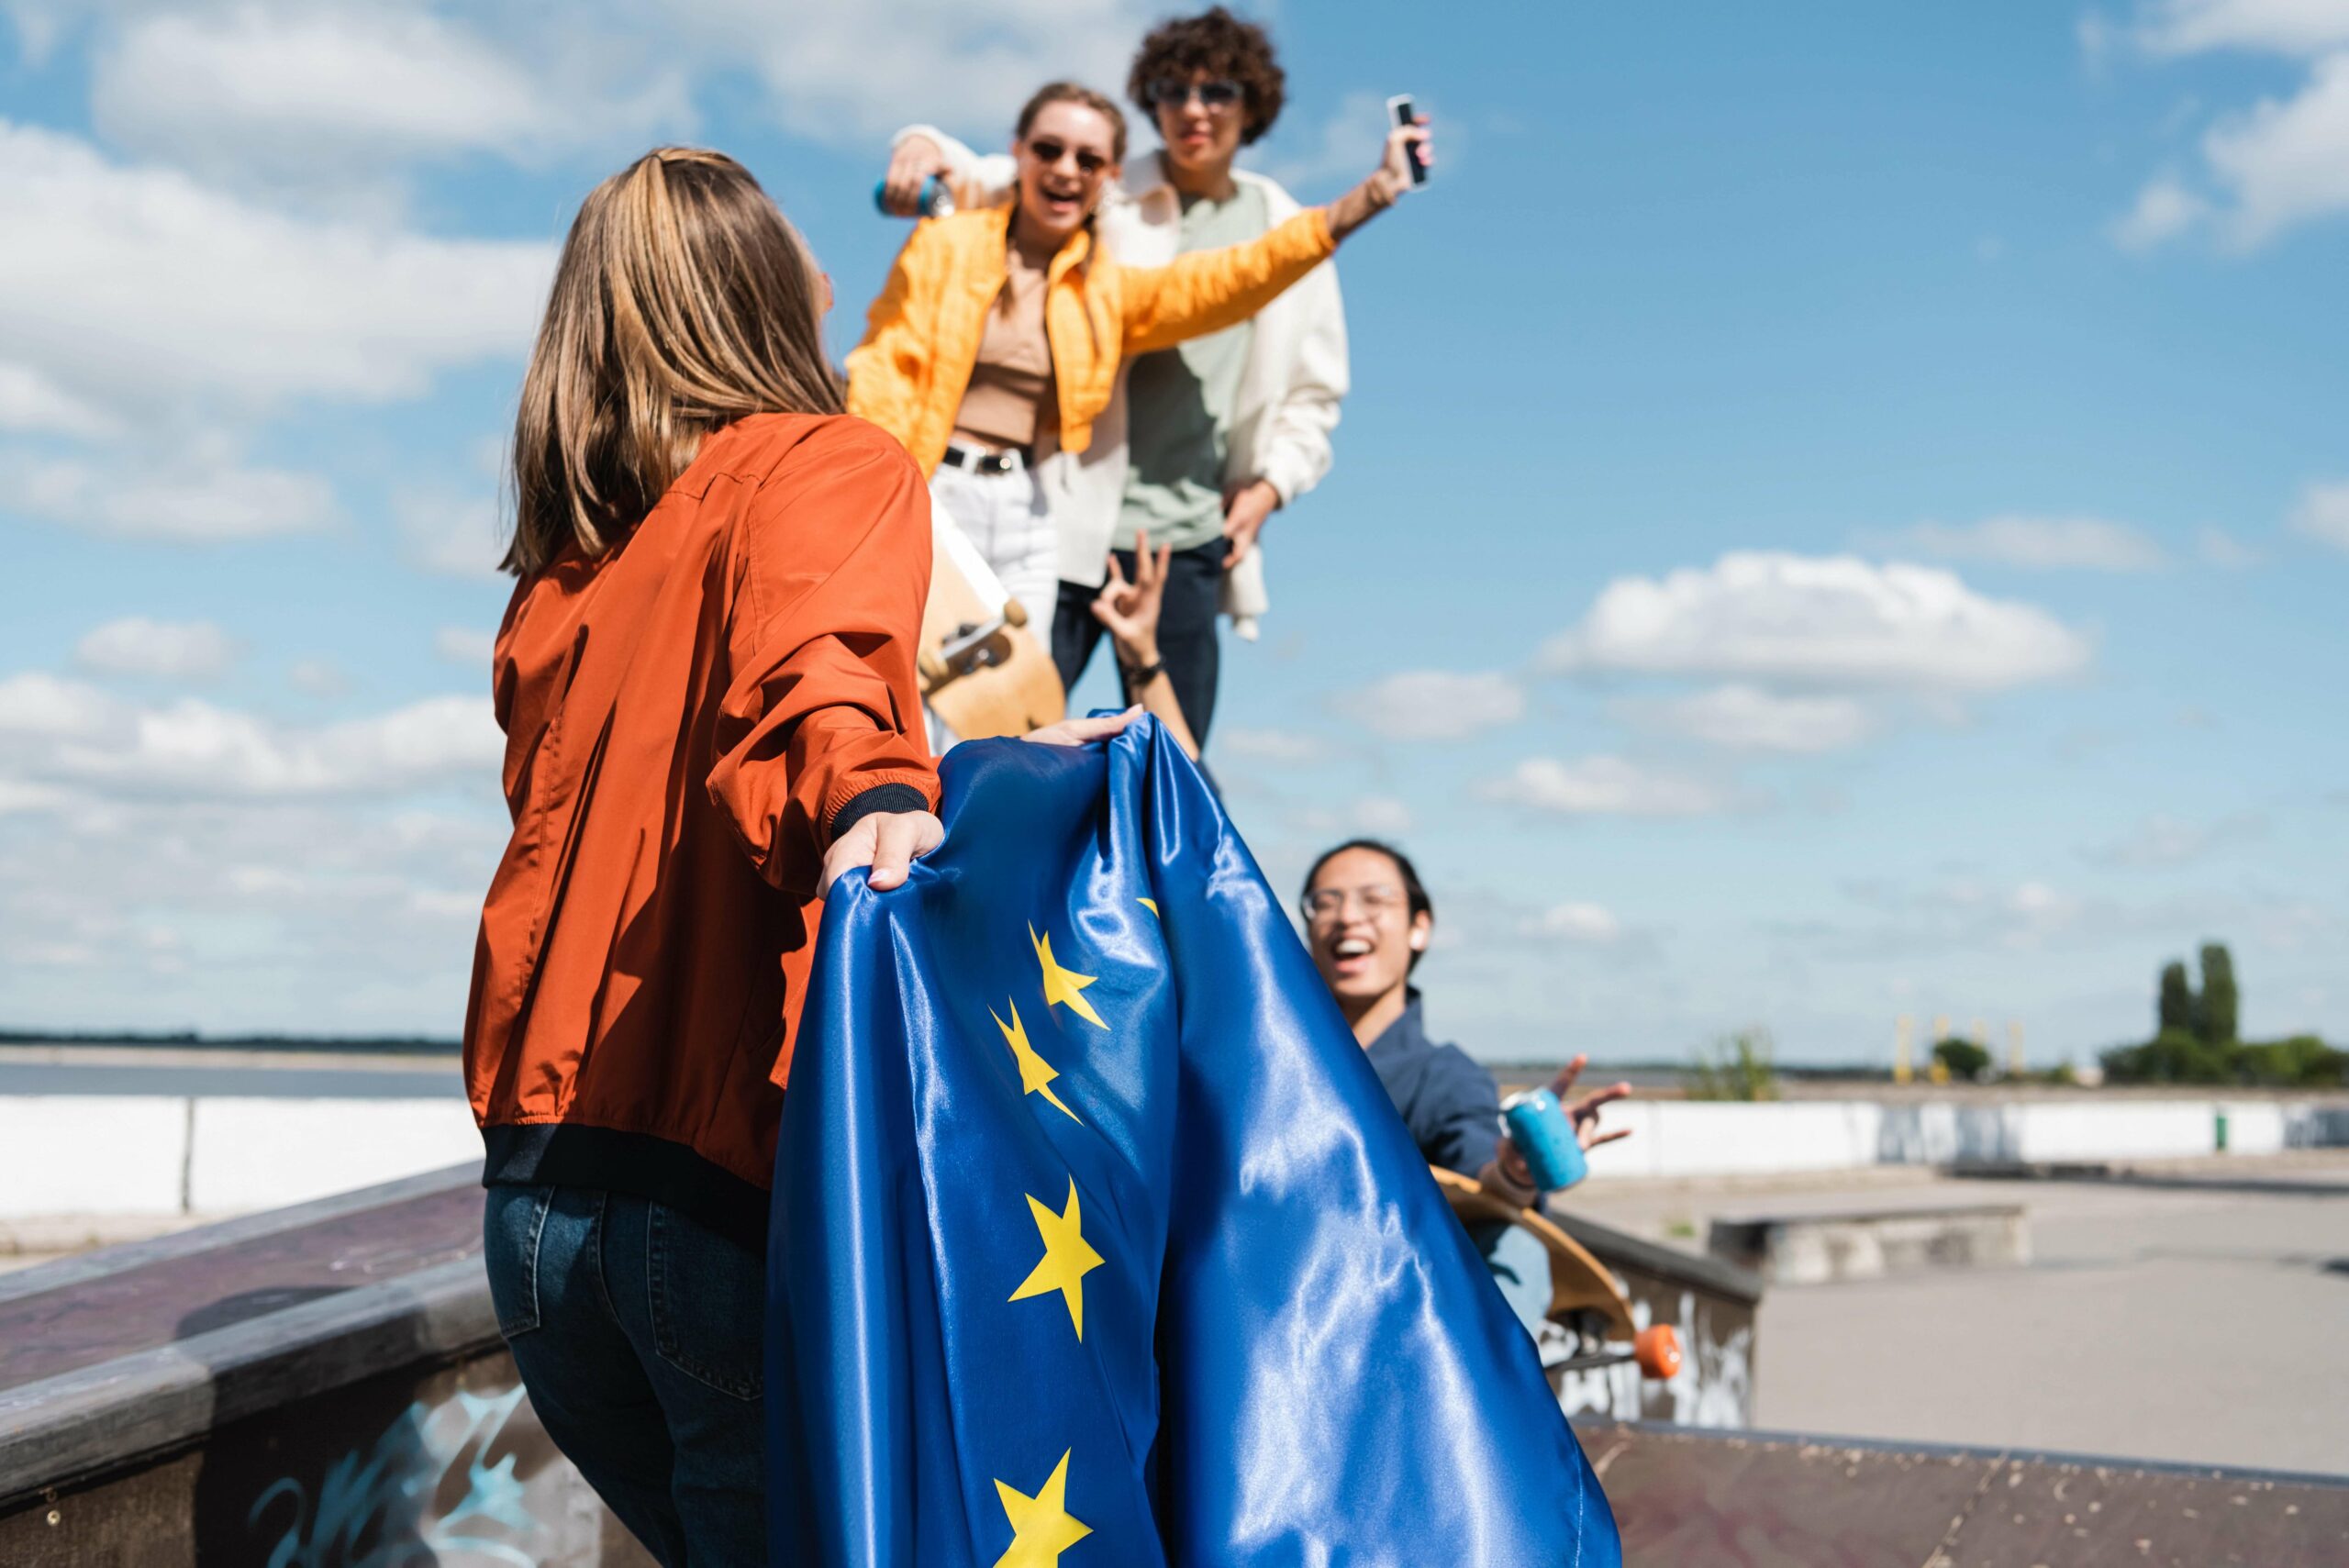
(112,1154)
(91,1154)
(267,1153)
(118,1155)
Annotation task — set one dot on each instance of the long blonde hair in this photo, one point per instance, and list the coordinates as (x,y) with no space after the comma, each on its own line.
(683,302)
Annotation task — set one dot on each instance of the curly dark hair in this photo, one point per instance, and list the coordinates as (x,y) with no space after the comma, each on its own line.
(1222,45)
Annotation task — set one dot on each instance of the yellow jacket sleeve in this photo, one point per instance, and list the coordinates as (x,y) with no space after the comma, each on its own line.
(885,371)
(1207,291)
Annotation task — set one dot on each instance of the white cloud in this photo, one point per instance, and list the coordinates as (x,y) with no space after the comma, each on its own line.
(1382,815)
(126,285)
(2164,210)
(1602,785)
(1837,619)
(193,749)
(2219,548)
(2323,514)
(1748,719)
(2281,27)
(450,535)
(964,67)
(464,645)
(2090,544)
(1287,746)
(2163,841)
(31,402)
(2280,163)
(279,89)
(42,704)
(1435,704)
(2286,162)
(178,650)
(200,498)
(318,678)
(1591,925)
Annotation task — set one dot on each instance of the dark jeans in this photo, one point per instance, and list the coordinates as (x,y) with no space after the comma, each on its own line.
(1187,631)
(638,1333)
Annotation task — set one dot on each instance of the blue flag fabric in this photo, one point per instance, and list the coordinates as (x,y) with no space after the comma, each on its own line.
(1096,1241)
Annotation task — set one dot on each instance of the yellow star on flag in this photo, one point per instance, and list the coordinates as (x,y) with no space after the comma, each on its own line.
(1067,1259)
(1063,984)
(1036,1074)
(1040,1526)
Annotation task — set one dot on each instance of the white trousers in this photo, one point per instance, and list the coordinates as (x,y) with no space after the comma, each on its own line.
(1003,515)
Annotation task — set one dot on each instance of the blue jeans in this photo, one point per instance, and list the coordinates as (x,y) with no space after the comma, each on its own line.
(1520,1266)
(638,1333)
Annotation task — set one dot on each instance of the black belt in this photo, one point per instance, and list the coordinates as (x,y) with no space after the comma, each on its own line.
(977,461)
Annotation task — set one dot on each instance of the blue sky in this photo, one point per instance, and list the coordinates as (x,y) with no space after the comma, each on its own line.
(1843,510)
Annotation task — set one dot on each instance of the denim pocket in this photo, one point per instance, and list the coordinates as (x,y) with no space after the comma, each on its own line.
(512,1220)
(708,1302)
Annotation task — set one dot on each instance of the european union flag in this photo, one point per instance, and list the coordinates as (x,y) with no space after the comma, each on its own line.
(1096,1241)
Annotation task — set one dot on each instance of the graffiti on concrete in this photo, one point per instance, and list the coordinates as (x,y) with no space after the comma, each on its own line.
(1714,1386)
(381,1505)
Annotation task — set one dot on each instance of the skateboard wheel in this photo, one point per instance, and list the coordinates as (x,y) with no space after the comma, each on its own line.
(1658,1349)
(1013,612)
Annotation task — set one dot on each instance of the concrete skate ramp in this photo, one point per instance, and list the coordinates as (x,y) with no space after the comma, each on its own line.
(1709,1500)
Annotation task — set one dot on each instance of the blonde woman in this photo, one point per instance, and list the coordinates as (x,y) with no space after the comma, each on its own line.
(997,340)
(707,682)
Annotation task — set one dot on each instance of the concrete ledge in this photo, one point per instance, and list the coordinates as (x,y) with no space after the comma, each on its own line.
(1817,1249)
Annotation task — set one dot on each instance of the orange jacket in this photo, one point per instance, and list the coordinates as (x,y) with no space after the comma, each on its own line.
(689,719)
(922,336)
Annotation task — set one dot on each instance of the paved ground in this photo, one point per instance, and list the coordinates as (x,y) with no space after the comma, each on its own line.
(2198,1313)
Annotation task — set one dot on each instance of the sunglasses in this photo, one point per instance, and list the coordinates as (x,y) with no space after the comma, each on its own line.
(1172,92)
(1048,152)
(1327,902)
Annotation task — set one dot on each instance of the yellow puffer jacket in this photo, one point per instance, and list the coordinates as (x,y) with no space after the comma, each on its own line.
(921,338)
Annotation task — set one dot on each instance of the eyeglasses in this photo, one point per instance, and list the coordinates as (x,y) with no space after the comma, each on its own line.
(1048,152)
(1174,92)
(1378,898)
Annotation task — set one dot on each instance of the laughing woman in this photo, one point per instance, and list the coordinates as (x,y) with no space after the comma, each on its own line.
(999,339)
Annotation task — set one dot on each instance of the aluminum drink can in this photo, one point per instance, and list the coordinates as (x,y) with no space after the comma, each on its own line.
(1544,1134)
(935,200)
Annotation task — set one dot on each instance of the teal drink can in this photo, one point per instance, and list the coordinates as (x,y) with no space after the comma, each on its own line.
(1544,1134)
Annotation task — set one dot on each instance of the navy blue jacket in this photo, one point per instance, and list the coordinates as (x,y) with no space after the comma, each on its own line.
(1451,1104)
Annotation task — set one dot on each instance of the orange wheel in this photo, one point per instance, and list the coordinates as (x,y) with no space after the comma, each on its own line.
(1658,1349)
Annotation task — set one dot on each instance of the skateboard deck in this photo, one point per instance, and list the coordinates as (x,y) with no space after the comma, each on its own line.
(983,670)
(1582,1290)
(1578,1282)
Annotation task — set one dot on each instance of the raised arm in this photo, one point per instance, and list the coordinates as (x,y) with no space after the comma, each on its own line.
(1207,291)
(920,150)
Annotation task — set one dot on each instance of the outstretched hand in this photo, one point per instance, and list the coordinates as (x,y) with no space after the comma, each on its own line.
(914,161)
(888,842)
(1077,731)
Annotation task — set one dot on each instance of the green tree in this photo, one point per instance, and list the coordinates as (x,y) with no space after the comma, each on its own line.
(1964,1058)
(2174,1056)
(2178,1004)
(2215,1017)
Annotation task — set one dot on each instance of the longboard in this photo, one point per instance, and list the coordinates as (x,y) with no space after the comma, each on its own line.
(983,671)
(1583,1296)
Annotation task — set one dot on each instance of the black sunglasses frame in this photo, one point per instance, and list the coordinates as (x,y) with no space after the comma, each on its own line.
(1173,91)
(1088,164)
